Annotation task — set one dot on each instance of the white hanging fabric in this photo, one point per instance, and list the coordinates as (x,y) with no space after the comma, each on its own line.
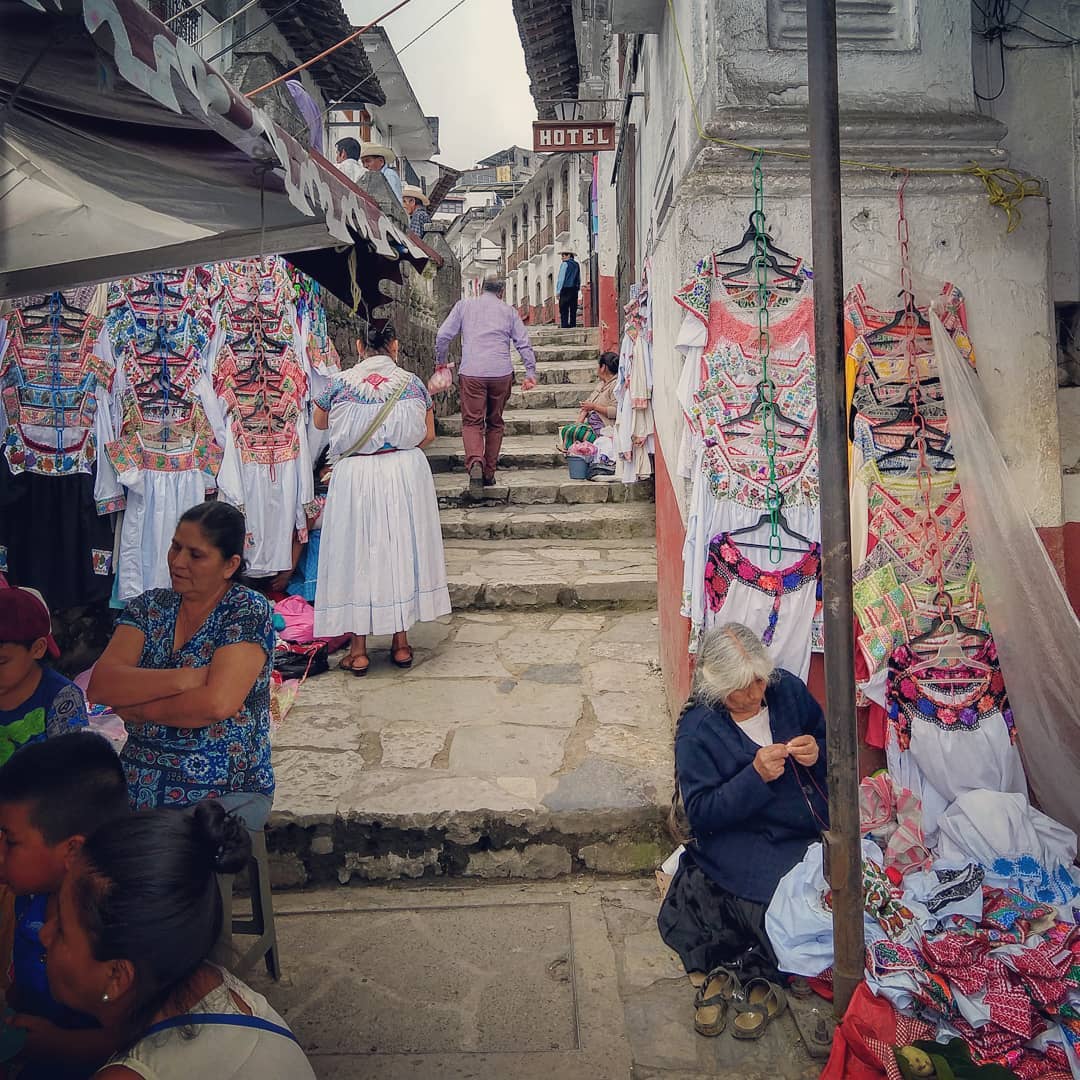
(1036,631)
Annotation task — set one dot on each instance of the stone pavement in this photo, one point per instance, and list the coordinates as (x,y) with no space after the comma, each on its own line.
(526,981)
(520,744)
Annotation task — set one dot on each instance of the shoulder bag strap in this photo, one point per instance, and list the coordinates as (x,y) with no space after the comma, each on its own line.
(221,1020)
(384,412)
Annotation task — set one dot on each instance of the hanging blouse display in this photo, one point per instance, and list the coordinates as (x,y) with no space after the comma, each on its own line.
(952,728)
(55,385)
(634,424)
(778,603)
(266,469)
(168,448)
(725,411)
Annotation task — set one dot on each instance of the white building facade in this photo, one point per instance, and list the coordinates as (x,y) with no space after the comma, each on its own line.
(549,215)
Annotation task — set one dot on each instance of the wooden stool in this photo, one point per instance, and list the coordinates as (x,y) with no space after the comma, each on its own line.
(261,923)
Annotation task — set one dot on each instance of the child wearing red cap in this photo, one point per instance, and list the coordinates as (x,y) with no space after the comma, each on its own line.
(35,701)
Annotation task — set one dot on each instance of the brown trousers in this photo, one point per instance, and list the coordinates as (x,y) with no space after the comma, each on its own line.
(482,404)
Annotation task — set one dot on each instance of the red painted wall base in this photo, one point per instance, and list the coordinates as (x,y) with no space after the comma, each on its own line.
(609,315)
(674,628)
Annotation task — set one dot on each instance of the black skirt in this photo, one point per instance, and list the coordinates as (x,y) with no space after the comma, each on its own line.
(53,539)
(709,927)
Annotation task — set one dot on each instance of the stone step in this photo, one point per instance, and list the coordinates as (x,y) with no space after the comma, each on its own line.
(610,521)
(520,744)
(518,422)
(565,354)
(518,452)
(578,373)
(554,335)
(601,574)
(548,395)
(539,487)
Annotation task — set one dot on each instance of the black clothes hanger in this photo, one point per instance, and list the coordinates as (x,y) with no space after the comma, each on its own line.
(765,519)
(160,347)
(158,289)
(902,316)
(752,410)
(772,264)
(748,238)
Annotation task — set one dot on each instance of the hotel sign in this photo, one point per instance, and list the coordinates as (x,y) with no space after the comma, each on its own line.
(573,136)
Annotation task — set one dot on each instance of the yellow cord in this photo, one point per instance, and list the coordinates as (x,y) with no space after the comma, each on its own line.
(1005,188)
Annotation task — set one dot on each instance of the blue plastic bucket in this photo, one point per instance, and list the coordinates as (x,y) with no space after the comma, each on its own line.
(578,466)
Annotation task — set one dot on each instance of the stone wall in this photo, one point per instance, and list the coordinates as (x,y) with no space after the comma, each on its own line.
(418,307)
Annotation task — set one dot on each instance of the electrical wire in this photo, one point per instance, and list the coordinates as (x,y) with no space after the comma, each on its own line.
(353,89)
(215,29)
(251,33)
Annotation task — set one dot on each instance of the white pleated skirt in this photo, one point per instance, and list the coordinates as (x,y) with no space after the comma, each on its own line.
(381,561)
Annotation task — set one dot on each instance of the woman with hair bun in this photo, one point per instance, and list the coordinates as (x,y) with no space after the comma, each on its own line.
(188,671)
(137,918)
(381,562)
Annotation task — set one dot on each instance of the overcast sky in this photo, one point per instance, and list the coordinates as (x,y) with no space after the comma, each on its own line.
(469,71)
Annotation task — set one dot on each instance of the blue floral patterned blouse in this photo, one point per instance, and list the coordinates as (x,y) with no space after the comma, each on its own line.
(168,766)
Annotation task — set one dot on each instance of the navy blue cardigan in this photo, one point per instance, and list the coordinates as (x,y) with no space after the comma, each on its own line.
(748,834)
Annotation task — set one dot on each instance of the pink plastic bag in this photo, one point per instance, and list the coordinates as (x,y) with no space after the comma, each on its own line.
(299,618)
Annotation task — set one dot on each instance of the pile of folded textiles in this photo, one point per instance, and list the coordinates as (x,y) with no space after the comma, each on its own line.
(974,938)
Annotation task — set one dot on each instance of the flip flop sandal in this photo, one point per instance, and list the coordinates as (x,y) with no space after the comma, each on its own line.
(760,1003)
(697,979)
(358,672)
(713,999)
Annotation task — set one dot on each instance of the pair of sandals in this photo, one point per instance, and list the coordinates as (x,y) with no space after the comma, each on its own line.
(756,1003)
(348,662)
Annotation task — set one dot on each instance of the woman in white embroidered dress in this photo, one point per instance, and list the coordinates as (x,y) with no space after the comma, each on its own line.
(381,562)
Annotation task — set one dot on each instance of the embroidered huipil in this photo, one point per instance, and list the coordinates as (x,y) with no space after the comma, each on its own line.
(952,728)
(634,423)
(55,388)
(266,469)
(723,460)
(168,448)
(55,418)
(777,603)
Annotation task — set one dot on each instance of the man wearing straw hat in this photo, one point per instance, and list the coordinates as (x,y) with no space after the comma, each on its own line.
(377,158)
(416,203)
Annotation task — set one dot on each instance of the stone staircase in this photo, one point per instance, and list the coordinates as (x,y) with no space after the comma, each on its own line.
(531,737)
(587,544)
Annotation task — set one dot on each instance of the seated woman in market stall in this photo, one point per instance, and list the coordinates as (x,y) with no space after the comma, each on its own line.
(188,671)
(138,915)
(750,768)
(597,412)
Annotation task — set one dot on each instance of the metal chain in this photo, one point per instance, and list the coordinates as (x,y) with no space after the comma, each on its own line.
(924,473)
(766,388)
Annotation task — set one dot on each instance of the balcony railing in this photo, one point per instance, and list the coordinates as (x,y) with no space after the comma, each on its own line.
(534,246)
(522,252)
(547,236)
(562,222)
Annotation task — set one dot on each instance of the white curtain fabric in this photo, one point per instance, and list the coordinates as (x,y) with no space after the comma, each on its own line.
(1035,628)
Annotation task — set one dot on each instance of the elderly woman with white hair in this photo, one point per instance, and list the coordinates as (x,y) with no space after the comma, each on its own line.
(750,769)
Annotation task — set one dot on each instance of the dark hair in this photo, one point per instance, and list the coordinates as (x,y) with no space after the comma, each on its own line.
(72,783)
(224,526)
(378,336)
(349,147)
(610,360)
(149,894)
(494,285)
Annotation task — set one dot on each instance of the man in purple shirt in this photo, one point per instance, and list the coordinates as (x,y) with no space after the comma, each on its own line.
(487,327)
